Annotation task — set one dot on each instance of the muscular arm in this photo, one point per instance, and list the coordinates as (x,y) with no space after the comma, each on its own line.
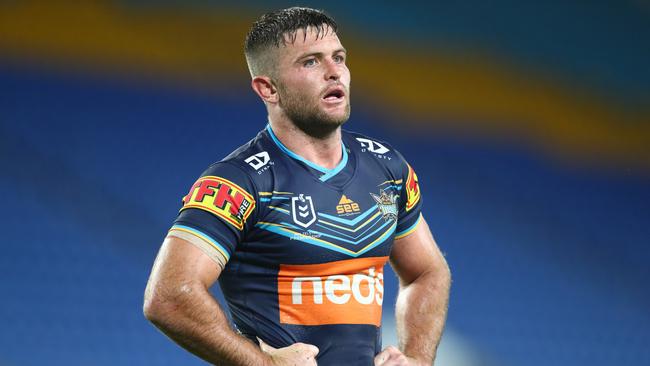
(178,302)
(425,280)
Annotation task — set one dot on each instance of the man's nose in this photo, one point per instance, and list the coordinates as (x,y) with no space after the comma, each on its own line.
(332,72)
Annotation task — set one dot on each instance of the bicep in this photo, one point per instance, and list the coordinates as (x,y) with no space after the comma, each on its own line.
(180,263)
(416,254)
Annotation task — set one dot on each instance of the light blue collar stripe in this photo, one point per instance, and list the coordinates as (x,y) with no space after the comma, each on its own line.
(292,154)
(328,172)
(339,167)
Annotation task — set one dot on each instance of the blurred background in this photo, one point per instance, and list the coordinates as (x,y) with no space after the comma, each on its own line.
(528,124)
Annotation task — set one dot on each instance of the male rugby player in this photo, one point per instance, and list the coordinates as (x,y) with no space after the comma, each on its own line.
(298,224)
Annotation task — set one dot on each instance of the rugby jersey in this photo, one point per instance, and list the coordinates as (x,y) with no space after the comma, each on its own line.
(303,247)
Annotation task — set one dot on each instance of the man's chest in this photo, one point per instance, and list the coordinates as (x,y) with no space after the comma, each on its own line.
(303,221)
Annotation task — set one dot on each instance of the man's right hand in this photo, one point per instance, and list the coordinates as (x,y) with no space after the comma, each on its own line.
(297,354)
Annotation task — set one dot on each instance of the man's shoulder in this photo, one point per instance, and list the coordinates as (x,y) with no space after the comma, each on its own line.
(250,154)
(373,148)
(244,164)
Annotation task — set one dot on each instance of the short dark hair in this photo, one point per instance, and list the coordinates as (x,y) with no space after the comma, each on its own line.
(272,30)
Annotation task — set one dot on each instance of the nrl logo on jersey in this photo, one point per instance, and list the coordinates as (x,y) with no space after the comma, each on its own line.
(302,210)
(259,162)
(387,204)
(374,147)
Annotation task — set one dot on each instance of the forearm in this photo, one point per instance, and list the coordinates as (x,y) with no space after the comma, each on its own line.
(194,320)
(421,312)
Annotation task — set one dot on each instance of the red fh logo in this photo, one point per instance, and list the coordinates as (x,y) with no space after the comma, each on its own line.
(222,198)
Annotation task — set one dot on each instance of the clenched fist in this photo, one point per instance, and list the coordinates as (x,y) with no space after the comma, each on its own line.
(391,356)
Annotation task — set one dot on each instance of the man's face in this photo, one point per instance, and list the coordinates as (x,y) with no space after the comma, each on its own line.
(313,82)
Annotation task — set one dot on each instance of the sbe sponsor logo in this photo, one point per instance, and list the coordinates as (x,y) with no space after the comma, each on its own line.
(222,198)
(347,207)
(343,292)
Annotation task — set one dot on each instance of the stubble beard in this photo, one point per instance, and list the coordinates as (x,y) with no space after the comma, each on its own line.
(308,117)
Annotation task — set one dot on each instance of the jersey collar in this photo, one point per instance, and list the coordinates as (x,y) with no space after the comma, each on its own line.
(327,173)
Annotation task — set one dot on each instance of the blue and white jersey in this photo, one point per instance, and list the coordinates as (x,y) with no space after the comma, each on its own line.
(303,247)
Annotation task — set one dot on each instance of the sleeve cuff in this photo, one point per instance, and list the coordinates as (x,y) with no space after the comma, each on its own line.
(209,246)
(408,231)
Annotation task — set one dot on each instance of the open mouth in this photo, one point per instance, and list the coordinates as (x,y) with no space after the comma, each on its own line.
(334,95)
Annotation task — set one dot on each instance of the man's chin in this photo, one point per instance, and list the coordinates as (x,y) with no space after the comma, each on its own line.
(335,120)
(321,122)
(321,127)
(336,117)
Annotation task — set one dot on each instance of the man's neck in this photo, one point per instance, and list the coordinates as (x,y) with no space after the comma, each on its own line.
(325,152)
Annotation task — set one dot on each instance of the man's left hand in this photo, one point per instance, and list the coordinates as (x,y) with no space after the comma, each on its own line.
(391,356)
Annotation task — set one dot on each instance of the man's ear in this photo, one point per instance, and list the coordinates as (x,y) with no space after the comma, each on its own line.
(264,87)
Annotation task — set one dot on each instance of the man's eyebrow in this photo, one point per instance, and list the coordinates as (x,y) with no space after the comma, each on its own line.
(319,54)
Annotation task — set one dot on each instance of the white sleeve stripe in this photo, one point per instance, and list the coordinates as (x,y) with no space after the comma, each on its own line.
(200,243)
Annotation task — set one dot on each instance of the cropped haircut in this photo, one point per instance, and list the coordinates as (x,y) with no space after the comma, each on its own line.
(273,29)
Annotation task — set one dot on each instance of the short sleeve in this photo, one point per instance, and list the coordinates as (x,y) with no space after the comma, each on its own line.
(216,211)
(410,201)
